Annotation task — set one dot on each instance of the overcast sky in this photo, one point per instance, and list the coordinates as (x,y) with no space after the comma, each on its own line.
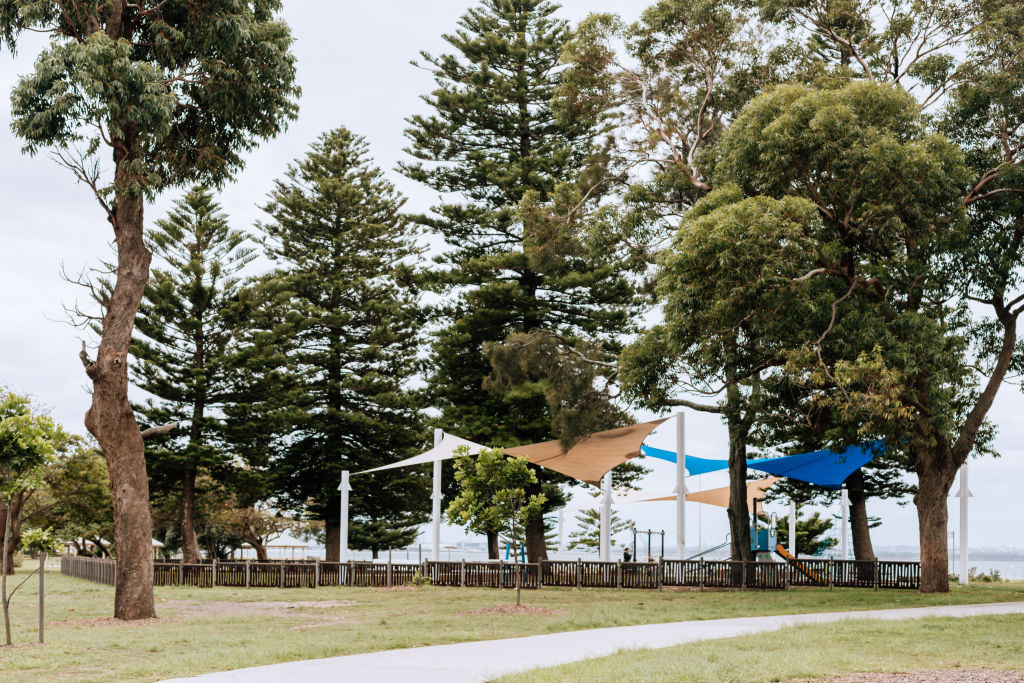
(353,65)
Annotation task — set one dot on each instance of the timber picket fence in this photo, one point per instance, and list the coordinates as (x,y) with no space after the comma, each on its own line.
(462,574)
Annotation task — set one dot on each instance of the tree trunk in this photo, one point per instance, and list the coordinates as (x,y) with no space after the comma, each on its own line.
(375,552)
(493,550)
(332,540)
(14,535)
(536,544)
(189,543)
(739,515)
(261,550)
(4,569)
(862,549)
(935,475)
(110,418)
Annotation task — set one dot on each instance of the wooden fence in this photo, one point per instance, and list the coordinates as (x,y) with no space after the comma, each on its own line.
(578,574)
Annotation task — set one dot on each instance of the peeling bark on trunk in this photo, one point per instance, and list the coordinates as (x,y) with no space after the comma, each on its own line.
(189,543)
(493,550)
(110,417)
(862,549)
(332,538)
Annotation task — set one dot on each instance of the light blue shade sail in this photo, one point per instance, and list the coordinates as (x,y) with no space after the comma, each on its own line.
(822,468)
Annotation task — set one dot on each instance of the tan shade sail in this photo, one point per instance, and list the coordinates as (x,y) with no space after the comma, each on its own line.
(589,459)
(720,497)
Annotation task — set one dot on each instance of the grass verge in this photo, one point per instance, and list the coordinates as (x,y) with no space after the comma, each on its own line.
(202,630)
(813,652)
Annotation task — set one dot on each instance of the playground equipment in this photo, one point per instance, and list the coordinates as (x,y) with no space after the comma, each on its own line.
(721,545)
(763,541)
(522,551)
(650,533)
(796,564)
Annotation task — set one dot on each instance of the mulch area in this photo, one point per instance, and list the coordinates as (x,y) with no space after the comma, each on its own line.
(945,676)
(97,622)
(510,609)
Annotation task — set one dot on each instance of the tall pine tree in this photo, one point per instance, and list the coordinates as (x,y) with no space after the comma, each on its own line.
(185,336)
(495,146)
(349,335)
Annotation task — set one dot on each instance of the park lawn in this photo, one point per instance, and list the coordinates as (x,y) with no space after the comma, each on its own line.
(813,651)
(214,629)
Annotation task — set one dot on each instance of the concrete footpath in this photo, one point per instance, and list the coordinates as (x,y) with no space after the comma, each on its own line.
(484,660)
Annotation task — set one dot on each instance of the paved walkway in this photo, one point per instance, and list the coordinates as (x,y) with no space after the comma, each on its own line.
(484,660)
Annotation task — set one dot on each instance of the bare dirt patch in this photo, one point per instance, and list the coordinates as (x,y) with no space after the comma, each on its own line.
(511,609)
(946,676)
(269,608)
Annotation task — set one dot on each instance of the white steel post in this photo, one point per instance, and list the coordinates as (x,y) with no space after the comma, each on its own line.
(964,495)
(344,487)
(792,528)
(680,486)
(435,553)
(846,518)
(606,516)
(561,528)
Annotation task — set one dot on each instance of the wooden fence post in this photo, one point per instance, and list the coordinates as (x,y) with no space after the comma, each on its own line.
(876,574)
(831,574)
(247,571)
(700,574)
(389,568)
(743,577)
(282,573)
(661,573)
(181,572)
(462,574)
(351,572)
(501,573)
(316,573)
(618,574)
(214,572)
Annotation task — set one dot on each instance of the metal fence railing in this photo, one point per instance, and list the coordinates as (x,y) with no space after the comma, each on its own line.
(462,574)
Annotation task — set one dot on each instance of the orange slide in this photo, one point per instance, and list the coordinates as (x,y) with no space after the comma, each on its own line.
(814,576)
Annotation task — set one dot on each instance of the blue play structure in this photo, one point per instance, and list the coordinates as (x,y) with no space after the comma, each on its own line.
(522,552)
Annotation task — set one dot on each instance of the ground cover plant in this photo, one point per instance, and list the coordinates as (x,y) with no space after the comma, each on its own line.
(203,630)
(815,651)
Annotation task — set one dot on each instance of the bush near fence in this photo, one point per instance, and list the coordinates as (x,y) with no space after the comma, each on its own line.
(577,574)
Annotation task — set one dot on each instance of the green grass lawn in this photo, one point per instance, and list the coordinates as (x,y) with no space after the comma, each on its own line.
(201,630)
(807,652)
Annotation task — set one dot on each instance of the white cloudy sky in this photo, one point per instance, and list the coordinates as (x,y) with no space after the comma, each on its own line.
(353,61)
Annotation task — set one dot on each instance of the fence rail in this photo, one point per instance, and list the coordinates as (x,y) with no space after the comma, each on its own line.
(578,574)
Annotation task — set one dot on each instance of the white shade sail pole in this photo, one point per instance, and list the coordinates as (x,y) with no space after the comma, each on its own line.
(435,553)
(964,495)
(792,528)
(561,529)
(606,517)
(846,518)
(344,487)
(680,486)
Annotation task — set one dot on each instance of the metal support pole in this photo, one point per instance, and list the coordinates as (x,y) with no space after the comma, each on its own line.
(606,514)
(561,530)
(792,528)
(344,487)
(680,486)
(964,495)
(844,547)
(435,553)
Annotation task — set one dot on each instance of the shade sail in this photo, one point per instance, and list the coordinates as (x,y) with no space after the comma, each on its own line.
(720,497)
(445,450)
(824,468)
(589,459)
(694,465)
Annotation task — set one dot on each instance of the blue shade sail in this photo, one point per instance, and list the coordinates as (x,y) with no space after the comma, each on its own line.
(822,468)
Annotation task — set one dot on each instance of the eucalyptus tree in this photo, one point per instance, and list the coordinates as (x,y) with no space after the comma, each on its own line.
(172,93)
(962,63)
